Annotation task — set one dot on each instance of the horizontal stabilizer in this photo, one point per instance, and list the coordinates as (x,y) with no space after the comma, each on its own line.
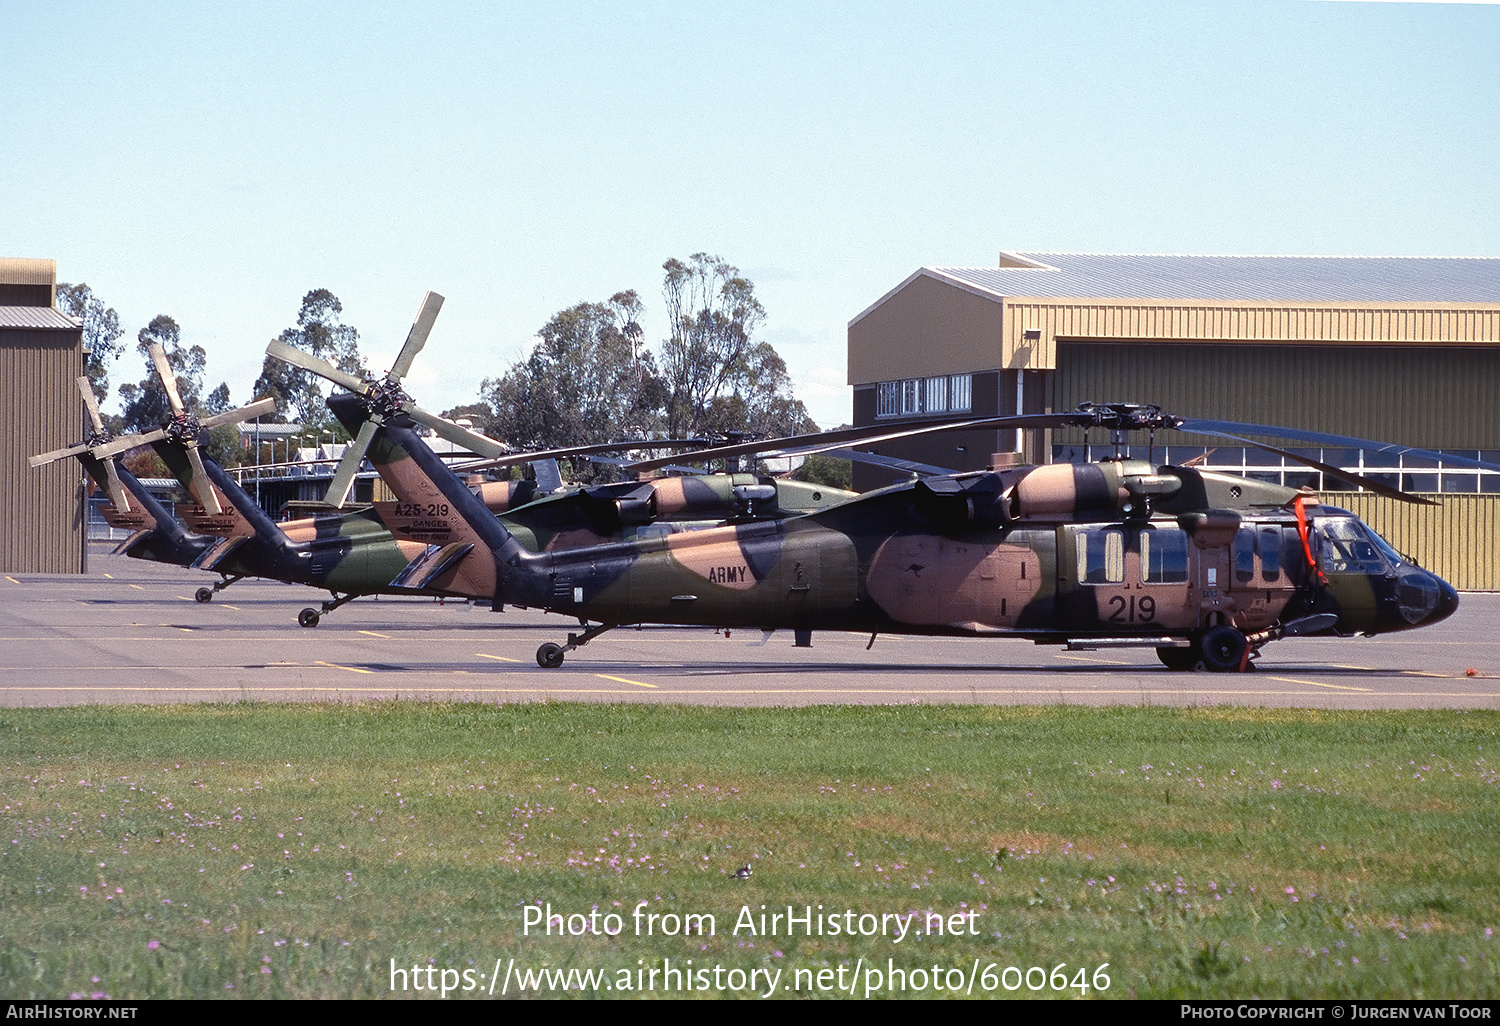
(124,547)
(218,553)
(434,561)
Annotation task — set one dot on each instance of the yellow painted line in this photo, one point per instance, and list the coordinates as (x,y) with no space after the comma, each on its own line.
(336,666)
(137,587)
(503,659)
(375,634)
(1316,684)
(226,605)
(110,576)
(624,680)
(1351,666)
(185,598)
(1424,673)
(12,580)
(1092,659)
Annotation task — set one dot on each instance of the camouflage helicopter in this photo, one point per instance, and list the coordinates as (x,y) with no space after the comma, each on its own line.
(543,513)
(1204,567)
(230,535)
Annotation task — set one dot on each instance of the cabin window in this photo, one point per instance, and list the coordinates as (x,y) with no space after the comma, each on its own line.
(1244,556)
(888,399)
(1164,557)
(1270,554)
(1101,556)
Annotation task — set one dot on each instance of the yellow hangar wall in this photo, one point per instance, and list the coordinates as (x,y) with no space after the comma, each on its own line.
(1421,374)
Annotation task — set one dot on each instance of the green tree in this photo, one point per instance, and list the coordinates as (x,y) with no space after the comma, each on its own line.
(101,332)
(146,406)
(298,392)
(587,380)
(718,378)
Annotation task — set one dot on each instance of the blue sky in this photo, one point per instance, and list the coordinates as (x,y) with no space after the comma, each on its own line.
(215,162)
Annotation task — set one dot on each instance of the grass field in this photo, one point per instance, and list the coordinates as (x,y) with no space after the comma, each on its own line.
(298,850)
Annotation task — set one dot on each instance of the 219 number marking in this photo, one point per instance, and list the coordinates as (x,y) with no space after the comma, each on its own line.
(1132,609)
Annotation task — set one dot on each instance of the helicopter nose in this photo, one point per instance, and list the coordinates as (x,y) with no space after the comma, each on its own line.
(1447,602)
(1425,598)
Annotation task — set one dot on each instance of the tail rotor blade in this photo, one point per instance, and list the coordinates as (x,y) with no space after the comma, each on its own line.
(259,408)
(91,404)
(457,434)
(203,488)
(309,362)
(417,337)
(117,493)
(120,445)
(167,375)
(343,478)
(57,454)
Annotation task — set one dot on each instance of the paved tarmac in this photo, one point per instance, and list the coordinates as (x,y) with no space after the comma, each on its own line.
(129,631)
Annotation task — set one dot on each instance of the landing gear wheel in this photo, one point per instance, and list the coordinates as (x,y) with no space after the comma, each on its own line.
(204,594)
(549,656)
(1178,658)
(1223,649)
(308,617)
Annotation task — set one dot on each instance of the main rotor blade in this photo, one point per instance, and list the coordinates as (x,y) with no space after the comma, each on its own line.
(167,375)
(259,408)
(416,338)
(890,462)
(120,445)
(869,435)
(91,404)
(1236,431)
(309,362)
(1367,483)
(57,454)
(117,493)
(514,458)
(456,433)
(343,478)
(203,488)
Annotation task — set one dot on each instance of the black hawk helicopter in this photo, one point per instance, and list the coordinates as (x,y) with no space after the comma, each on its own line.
(1204,567)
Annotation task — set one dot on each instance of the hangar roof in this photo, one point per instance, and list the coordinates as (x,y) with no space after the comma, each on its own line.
(1294,278)
(36,317)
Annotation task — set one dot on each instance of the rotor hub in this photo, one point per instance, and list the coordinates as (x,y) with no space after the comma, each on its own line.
(1125,417)
(388,398)
(183,428)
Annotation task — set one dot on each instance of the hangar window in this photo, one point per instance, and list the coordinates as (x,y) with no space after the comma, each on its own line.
(960,392)
(943,393)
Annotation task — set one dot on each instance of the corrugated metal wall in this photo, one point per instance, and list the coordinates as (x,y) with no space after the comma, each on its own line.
(41,511)
(1431,397)
(1459,541)
(1250,322)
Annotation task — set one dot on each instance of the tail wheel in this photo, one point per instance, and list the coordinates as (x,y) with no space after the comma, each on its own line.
(309,617)
(1223,649)
(204,594)
(549,656)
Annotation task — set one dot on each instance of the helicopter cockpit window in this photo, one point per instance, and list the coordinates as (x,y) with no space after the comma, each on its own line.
(1101,556)
(1347,549)
(1164,555)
